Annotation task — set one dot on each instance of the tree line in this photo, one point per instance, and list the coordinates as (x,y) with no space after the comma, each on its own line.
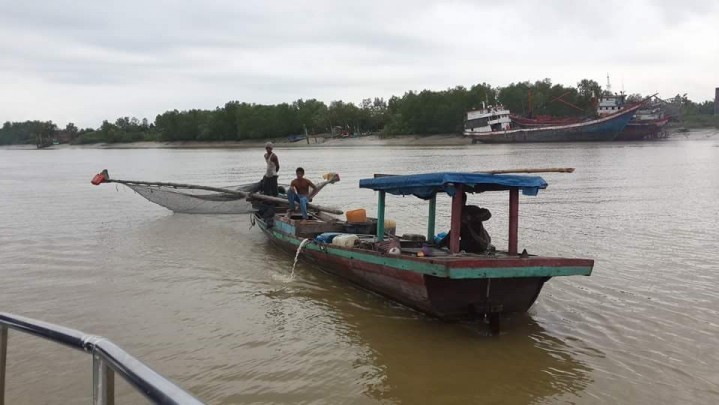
(424,113)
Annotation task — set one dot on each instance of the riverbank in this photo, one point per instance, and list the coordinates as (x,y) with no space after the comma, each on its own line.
(370,140)
(319,141)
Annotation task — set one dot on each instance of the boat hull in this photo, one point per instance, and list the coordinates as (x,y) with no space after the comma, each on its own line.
(637,131)
(599,130)
(522,122)
(452,291)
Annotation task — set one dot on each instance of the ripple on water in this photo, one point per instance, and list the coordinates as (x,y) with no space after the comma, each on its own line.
(198,297)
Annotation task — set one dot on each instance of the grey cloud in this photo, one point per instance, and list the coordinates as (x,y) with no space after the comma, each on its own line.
(261,51)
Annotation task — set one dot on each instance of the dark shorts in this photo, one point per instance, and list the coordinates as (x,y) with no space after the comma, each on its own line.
(269,186)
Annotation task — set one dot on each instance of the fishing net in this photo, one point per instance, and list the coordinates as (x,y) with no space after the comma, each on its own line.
(189,201)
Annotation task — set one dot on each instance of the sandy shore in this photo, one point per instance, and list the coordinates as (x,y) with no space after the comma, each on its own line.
(319,141)
(371,140)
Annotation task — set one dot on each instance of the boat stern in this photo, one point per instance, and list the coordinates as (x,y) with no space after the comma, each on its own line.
(479,287)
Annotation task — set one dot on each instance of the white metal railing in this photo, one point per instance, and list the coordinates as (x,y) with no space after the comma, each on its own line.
(107,359)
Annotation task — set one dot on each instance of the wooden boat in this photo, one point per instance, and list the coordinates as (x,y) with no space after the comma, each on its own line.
(296,138)
(443,282)
(601,129)
(43,141)
(644,129)
(648,123)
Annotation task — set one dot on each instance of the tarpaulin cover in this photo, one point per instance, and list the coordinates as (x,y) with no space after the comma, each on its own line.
(425,185)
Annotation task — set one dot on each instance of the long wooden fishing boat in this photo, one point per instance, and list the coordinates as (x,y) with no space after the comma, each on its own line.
(417,272)
(601,129)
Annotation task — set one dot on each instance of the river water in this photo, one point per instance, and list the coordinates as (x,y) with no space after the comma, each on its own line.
(205,300)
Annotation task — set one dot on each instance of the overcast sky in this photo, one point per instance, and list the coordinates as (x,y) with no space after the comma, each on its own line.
(84,61)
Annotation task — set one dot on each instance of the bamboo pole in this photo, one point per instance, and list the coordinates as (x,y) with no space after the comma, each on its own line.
(531,170)
(262,197)
(526,170)
(181,185)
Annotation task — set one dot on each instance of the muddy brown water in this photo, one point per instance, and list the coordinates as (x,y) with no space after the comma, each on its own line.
(198,298)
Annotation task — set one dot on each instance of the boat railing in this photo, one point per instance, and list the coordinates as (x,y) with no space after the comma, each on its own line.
(107,359)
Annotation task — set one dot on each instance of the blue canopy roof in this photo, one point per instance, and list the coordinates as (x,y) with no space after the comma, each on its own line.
(425,185)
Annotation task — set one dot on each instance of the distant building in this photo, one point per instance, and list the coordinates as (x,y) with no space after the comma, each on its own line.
(716,101)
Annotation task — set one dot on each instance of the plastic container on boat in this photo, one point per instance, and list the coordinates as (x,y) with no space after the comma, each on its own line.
(326,237)
(356,216)
(344,240)
(439,237)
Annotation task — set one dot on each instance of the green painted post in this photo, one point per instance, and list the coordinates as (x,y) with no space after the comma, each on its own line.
(380,216)
(513,220)
(431,216)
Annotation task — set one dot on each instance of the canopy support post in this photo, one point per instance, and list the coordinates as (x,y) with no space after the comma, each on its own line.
(513,220)
(454,232)
(431,217)
(380,216)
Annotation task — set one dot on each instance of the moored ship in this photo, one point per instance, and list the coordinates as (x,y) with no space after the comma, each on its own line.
(648,122)
(602,129)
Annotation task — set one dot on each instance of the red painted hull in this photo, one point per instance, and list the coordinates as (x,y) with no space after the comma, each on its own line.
(543,121)
(639,130)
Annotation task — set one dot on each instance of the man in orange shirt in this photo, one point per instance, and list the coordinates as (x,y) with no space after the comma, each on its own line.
(299,192)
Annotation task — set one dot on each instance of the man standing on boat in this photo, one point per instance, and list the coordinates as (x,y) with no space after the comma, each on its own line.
(269,182)
(299,192)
